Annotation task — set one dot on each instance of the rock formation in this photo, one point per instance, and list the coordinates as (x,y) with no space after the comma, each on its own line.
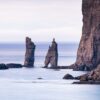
(3,66)
(92,77)
(13,65)
(52,55)
(68,76)
(29,56)
(88,55)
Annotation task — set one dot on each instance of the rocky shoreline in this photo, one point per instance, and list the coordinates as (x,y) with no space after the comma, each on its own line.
(89,82)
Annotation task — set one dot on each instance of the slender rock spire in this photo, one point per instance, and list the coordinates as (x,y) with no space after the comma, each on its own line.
(52,55)
(29,55)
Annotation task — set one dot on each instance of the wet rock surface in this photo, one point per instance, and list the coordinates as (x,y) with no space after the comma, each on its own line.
(52,55)
(13,65)
(58,67)
(92,77)
(88,55)
(29,55)
(3,66)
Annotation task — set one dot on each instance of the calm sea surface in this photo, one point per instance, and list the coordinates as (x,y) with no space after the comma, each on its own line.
(15,53)
(24,83)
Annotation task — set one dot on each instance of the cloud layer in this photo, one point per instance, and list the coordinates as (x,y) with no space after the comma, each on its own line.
(40,19)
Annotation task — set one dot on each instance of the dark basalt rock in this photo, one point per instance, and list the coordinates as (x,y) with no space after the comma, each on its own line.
(88,82)
(3,66)
(29,56)
(12,65)
(88,55)
(68,76)
(52,55)
(92,77)
(58,67)
(76,67)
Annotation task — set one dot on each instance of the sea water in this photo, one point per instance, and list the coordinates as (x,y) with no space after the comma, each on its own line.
(25,83)
(15,53)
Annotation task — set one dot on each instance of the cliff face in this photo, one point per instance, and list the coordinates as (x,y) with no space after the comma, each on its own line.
(52,55)
(29,55)
(88,55)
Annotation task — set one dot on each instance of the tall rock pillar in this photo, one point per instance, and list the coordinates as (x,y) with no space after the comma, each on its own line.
(52,55)
(88,55)
(29,55)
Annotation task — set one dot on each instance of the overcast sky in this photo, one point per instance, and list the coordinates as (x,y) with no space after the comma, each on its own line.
(41,20)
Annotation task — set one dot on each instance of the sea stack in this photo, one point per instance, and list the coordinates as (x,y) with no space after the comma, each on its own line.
(52,55)
(29,55)
(88,55)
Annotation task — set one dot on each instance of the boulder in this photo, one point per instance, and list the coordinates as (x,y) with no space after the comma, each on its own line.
(12,65)
(3,66)
(92,77)
(83,78)
(68,76)
(29,55)
(88,54)
(52,55)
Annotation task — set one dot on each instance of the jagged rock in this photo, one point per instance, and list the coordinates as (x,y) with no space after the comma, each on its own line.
(88,55)
(68,76)
(29,56)
(52,55)
(92,77)
(95,74)
(3,66)
(76,67)
(12,65)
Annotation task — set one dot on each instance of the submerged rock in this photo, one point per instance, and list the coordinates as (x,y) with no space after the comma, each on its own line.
(29,55)
(52,55)
(88,55)
(12,65)
(40,78)
(3,66)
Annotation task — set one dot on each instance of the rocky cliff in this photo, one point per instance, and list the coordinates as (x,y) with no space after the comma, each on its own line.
(52,55)
(92,77)
(29,55)
(88,55)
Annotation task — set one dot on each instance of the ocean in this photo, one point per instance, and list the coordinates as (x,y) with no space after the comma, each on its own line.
(24,83)
(15,53)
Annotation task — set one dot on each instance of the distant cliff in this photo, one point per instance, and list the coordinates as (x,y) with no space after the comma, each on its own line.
(88,55)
